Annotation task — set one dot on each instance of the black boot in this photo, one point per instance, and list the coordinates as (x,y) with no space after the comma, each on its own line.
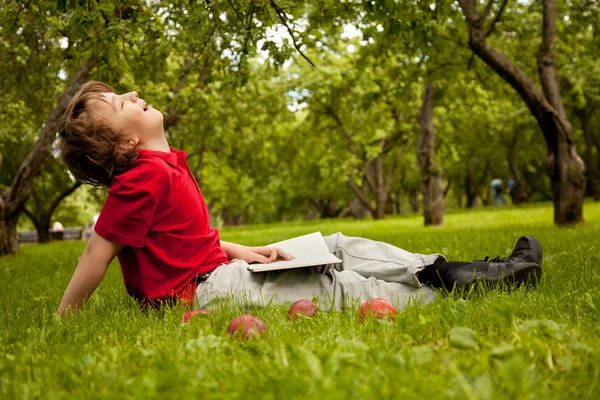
(510,272)
(522,266)
(527,249)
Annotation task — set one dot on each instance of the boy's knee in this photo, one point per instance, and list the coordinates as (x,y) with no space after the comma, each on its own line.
(333,240)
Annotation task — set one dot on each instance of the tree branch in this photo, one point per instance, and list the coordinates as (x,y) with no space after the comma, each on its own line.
(390,176)
(248,35)
(488,9)
(447,187)
(545,59)
(22,6)
(173,114)
(237,13)
(459,42)
(38,203)
(503,66)
(361,196)
(390,143)
(368,177)
(333,114)
(23,181)
(496,18)
(61,197)
(470,10)
(281,14)
(31,216)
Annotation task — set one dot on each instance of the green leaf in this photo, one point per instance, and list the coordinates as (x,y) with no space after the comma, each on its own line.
(503,350)
(484,387)
(107,6)
(421,355)
(311,361)
(463,338)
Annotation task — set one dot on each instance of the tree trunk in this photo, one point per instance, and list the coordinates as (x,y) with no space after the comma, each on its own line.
(9,240)
(327,208)
(486,197)
(459,200)
(397,199)
(361,196)
(12,201)
(432,176)
(381,194)
(43,215)
(565,168)
(43,229)
(356,209)
(379,188)
(591,160)
(232,219)
(472,184)
(519,192)
(472,195)
(413,200)
(372,176)
(41,221)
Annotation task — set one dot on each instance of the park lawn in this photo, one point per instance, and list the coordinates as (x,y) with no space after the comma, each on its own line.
(541,343)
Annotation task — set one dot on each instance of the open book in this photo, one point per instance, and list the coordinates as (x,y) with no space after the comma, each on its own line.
(309,250)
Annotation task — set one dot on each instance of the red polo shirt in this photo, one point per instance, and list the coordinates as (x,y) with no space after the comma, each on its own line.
(156,210)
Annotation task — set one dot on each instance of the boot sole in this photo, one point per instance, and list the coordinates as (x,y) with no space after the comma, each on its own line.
(530,273)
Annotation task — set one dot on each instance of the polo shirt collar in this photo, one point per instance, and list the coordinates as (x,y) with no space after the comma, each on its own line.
(172,158)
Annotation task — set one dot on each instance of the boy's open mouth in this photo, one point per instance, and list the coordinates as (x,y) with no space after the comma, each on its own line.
(145,107)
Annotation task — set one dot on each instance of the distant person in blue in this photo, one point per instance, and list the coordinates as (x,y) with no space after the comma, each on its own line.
(496,185)
(511,187)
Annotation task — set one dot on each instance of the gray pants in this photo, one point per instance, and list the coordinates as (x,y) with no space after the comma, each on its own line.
(370,269)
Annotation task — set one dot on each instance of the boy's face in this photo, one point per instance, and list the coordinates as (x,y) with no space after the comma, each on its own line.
(130,114)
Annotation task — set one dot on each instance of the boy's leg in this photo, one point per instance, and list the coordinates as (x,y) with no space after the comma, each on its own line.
(271,287)
(380,260)
(392,264)
(370,269)
(352,288)
(333,288)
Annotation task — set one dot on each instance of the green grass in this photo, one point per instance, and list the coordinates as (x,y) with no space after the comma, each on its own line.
(541,343)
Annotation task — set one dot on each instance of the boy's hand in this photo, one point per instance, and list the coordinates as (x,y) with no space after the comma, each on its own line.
(262,254)
(266,254)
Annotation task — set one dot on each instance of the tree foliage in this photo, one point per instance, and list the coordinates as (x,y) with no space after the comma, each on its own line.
(294,109)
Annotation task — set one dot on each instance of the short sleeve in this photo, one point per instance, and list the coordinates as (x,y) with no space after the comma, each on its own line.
(131,204)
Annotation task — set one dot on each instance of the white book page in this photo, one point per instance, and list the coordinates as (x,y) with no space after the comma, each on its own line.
(308,250)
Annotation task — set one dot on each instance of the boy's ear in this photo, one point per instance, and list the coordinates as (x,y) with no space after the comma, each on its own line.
(132,143)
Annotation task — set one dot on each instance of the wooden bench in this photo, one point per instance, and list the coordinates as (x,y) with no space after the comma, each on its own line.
(66,234)
(28,236)
(72,233)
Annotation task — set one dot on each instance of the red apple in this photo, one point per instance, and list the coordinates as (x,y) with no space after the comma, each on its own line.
(246,326)
(302,307)
(191,314)
(376,308)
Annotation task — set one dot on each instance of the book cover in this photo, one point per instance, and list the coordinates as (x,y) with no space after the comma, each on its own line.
(308,250)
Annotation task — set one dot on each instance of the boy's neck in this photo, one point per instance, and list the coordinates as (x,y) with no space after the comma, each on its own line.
(159,144)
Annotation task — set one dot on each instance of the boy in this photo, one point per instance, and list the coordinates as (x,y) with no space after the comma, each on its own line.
(156,221)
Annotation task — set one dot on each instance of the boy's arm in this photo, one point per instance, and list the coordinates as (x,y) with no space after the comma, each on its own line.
(90,271)
(262,254)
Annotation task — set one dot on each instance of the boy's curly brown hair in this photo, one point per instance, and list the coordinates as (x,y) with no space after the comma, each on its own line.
(93,151)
